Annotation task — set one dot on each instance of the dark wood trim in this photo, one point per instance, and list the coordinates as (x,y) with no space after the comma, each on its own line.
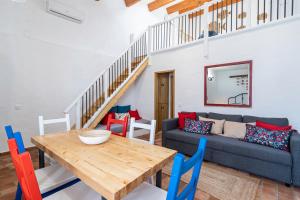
(250,62)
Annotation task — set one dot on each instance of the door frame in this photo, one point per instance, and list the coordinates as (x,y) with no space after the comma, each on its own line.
(172,95)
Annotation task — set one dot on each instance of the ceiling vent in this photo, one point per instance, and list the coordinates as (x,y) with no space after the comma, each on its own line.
(64,11)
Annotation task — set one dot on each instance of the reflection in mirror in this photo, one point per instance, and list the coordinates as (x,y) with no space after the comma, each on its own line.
(229,84)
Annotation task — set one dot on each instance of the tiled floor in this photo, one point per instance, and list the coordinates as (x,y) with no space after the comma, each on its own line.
(268,190)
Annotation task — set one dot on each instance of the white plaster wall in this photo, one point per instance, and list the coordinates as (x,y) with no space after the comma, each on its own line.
(274,51)
(46,61)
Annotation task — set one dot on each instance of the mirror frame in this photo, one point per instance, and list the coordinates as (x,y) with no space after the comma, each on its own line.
(222,65)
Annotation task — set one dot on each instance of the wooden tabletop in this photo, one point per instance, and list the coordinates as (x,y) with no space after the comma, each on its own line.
(113,168)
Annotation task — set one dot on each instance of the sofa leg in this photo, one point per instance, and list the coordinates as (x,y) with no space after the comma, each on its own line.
(287,185)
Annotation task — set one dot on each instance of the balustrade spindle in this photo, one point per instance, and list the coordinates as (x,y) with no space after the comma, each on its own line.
(264,11)
(226,15)
(277,9)
(236,16)
(231,15)
(242,16)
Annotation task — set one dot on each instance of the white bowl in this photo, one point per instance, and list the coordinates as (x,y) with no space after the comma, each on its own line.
(94,136)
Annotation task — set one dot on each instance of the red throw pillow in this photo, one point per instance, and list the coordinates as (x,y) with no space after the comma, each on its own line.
(183,116)
(105,119)
(135,114)
(272,127)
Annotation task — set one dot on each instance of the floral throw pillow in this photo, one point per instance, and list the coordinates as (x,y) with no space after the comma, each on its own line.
(199,127)
(275,139)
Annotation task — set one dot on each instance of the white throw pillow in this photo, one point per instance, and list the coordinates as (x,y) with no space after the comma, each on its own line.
(217,127)
(235,129)
(121,116)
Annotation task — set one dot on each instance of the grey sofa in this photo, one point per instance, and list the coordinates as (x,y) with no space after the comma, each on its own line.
(253,158)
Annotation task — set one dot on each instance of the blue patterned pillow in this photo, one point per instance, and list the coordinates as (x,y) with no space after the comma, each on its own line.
(276,139)
(196,126)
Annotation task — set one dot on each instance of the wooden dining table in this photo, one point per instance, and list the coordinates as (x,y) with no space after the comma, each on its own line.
(114,168)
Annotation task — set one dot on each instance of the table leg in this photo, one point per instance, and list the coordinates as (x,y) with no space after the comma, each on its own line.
(158,179)
(41,159)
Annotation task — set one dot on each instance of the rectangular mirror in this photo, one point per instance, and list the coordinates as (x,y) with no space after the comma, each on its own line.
(228,84)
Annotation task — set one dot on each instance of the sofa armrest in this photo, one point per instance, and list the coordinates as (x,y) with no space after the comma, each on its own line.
(168,124)
(295,151)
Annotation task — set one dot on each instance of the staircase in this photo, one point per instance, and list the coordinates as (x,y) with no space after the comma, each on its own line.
(213,19)
(104,92)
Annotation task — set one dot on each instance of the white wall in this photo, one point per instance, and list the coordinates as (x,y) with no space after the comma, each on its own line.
(274,51)
(46,61)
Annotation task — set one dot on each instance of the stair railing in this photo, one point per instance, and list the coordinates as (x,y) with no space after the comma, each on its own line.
(95,97)
(236,97)
(217,17)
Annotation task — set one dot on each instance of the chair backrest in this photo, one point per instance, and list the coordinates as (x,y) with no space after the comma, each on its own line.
(25,172)
(43,122)
(180,167)
(151,127)
(9,131)
(124,124)
(11,135)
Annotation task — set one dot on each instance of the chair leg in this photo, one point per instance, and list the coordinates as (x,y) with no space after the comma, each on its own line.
(41,159)
(18,192)
(151,180)
(158,179)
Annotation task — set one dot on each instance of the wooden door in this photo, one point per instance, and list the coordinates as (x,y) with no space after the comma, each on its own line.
(162,98)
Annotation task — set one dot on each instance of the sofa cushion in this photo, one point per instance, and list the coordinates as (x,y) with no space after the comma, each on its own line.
(272,127)
(275,139)
(269,120)
(196,126)
(234,118)
(180,135)
(185,115)
(234,146)
(217,127)
(114,109)
(198,114)
(235,129)
(124,109)
(257,151)
(135,114)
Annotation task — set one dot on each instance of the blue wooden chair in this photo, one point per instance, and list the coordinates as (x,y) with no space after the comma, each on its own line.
(51,179)
(149,192)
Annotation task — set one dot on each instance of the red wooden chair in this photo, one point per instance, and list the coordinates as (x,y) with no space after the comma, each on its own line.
(30,186)
(124,124)
(25,172)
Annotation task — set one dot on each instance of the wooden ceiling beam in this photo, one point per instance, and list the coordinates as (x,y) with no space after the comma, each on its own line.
(214,7)
(129,3)
(181,5)
(158,4)
(193,6)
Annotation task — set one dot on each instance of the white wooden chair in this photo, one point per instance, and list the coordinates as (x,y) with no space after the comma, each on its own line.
(42,123)
(52,176)
(151,127)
